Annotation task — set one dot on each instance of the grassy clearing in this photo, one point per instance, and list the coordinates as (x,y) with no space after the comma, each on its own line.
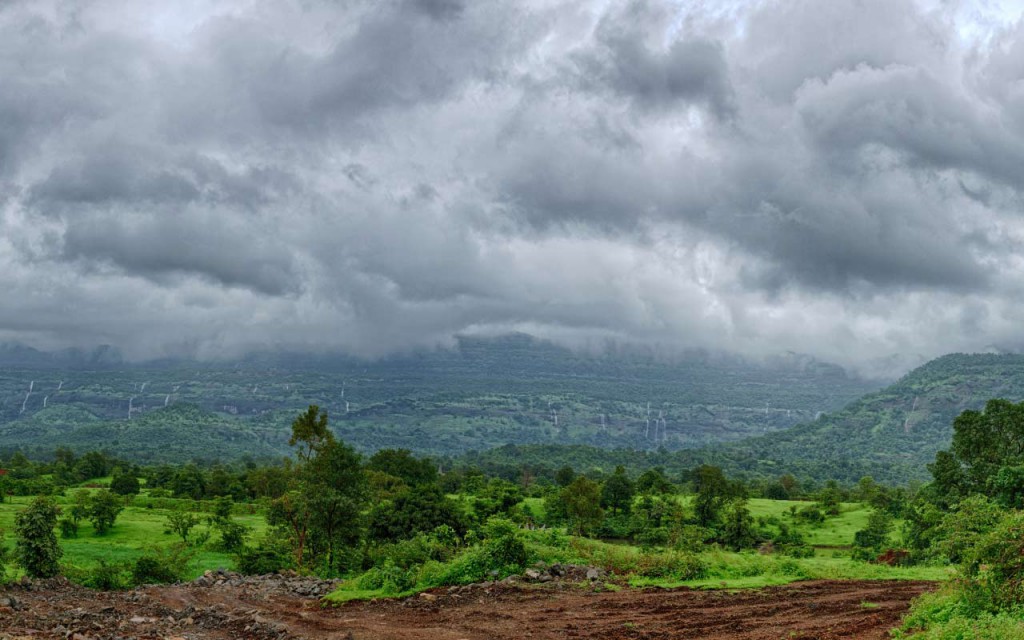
(137,528)
(711,569)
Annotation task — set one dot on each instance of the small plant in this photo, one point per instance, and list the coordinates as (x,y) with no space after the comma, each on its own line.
(182,523)
(162,565)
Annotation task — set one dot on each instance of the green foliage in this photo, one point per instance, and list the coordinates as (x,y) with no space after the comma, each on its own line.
(654,481)
(68,528)
(36,546)
(581,501)
(104,507)
(5,557)
(737,525)
(713,490)
(945,615)
(401,463)
(270,555)
(960,530)
(310,432)
(617,492)
(870,540)
(181,522)
(417,509)
(162,565)
(503,545)
(124,483)
(994,567)
(104,575)
(498,497)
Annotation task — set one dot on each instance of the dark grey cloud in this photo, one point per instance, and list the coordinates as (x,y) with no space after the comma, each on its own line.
(836,178)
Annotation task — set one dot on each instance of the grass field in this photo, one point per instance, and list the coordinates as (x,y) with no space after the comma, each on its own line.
(143,525)
(137,529)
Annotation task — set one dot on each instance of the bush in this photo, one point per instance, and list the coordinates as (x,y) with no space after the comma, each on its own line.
(504,546)
(107,576)
(994,567)
(162,565)
(68,528)
(104,576)
(36,544)
(270,555)
(674,565)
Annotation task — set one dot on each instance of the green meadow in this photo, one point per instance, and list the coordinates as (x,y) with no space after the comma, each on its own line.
(141,526)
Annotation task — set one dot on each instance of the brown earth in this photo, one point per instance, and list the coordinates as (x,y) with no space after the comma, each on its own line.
(820,610)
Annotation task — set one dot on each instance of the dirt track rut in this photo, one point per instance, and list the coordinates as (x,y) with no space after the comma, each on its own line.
(819,610)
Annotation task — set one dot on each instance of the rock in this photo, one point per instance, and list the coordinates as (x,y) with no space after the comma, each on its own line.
(9,601)
(427,596)
(532,574)
(593,574)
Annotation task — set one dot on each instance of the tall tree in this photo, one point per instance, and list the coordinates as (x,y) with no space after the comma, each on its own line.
(36,546)
(617,492)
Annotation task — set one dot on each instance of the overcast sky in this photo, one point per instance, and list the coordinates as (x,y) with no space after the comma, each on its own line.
(843,178)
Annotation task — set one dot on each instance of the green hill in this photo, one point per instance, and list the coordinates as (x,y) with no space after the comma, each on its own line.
(891,434)
(175,434)
(482,393)
(895,432)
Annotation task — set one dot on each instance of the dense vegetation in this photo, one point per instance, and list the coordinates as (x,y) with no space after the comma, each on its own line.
(890,435)
(394,523)
(481,394)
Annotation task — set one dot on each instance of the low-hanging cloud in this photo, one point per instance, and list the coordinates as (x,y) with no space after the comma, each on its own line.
(841,179)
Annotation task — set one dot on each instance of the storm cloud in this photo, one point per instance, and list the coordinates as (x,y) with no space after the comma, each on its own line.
(843,178)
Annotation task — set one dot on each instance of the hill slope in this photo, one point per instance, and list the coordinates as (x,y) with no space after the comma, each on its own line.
(891,434)
(483,393)
(895,432)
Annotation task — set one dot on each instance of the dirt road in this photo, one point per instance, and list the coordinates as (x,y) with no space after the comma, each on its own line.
(821,610)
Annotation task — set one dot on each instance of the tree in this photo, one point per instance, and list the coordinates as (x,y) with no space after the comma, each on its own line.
(617,492)
(36,546)
(874,536)
(402,464)
(984,442)
(323,512)
(712,492)
(104,507)
(582,500)
(830,498)
(189,482)
(79,506)
(232,534)
(565,476)
(336,491)
(310,432)
(124,483)
(737,525)
(182,522)
(292,513)
(654,481)
(415,510)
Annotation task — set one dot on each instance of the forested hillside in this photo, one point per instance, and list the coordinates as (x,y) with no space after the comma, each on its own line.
(890,434)
(895,432)
(484,393)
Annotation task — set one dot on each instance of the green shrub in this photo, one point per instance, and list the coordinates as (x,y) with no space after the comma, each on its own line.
(68,528)
(36,544)
(270,555)
(503,546)
(105,576)
(162,565)
(674,565)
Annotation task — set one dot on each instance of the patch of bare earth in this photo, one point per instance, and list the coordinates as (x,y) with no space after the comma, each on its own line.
(289,608)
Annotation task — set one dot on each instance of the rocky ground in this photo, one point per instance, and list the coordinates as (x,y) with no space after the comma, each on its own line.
(556,602)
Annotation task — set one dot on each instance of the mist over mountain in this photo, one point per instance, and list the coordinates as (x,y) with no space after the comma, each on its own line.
(483,393)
